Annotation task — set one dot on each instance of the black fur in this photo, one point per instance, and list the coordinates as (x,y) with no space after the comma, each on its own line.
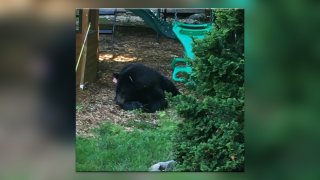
(139,86)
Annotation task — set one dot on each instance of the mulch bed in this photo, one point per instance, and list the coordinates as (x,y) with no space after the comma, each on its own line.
(132,44)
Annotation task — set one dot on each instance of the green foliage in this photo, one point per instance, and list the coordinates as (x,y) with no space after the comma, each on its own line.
(211,136)
(120,148)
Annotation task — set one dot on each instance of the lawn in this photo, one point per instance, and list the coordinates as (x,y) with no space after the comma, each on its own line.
(134,146)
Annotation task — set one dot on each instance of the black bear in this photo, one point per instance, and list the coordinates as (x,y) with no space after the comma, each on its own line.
(139,86)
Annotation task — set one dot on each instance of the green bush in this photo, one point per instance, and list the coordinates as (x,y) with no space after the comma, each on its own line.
(211,137)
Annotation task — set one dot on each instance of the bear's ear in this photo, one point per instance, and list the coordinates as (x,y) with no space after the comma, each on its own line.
(115,77)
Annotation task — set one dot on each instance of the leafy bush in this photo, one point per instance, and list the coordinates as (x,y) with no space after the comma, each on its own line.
(211,136)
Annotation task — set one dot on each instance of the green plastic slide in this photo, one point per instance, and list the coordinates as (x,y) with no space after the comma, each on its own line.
(186,33)
(157,24)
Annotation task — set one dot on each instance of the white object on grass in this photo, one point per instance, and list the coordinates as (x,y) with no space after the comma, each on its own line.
(162,166)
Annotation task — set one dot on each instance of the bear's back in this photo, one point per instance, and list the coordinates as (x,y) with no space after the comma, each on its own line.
(141,74)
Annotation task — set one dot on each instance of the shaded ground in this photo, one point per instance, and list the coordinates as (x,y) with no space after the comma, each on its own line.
(95,104)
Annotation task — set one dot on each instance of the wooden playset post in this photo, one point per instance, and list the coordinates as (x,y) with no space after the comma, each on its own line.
(88,46)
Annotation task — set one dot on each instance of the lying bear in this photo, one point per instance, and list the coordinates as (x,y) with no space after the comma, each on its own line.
(139,86)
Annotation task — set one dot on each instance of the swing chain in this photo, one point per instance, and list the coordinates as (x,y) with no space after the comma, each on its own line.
(175,15)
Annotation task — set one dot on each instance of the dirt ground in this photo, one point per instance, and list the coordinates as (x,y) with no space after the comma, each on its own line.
(132,44)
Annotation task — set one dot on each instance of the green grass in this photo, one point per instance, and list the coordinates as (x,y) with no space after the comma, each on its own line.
(116,149)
